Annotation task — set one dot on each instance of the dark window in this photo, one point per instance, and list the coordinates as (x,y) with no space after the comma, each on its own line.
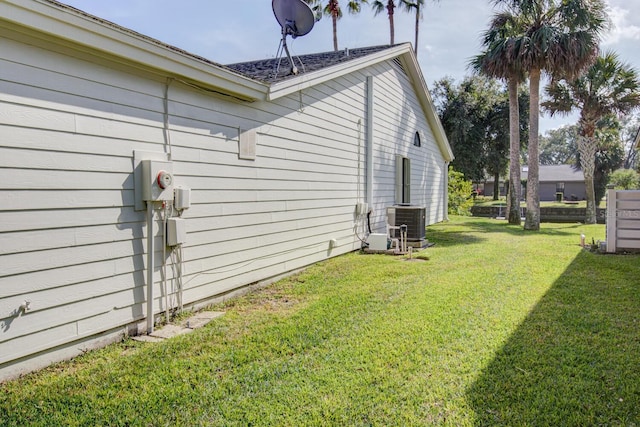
(559,187)
(403,180)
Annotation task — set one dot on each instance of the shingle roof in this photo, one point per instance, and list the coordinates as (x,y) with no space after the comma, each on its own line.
(265,70)
(261,70)
(558,173)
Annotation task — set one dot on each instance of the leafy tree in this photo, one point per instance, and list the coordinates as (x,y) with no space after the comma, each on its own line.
(475,114)
(461,111)
(608,87)
(459,193)
(333,9)
(390,5)
(559,146)
(625,179)
(559,37)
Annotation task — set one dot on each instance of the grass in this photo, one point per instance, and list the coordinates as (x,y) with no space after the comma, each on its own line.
(488,201)
(498,327)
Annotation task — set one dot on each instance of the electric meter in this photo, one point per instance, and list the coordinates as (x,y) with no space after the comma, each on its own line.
(157,180)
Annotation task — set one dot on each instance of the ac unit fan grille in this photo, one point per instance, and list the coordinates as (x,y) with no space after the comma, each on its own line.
(414,217)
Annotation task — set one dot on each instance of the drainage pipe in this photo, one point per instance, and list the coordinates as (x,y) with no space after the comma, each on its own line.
(164,261)
(369,141)
(150,267)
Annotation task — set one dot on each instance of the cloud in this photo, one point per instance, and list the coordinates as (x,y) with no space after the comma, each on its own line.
(622,28)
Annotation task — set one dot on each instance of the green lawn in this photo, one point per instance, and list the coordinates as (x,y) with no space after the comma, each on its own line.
(488,201)
(498,327)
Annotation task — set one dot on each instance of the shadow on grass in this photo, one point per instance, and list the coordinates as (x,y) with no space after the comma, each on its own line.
(502,226)
(575,360)
(467,231)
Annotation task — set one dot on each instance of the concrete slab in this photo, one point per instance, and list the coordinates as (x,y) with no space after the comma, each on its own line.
(147,338)
(196,321)
(201,319)
(209,314)
(169,331)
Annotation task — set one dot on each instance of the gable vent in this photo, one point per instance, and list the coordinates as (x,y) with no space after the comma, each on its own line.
(399,65)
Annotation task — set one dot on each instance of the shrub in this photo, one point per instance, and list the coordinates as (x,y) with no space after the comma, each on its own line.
(625,179)
(460,194)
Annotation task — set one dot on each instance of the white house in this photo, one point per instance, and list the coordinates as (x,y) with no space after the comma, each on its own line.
(278,169)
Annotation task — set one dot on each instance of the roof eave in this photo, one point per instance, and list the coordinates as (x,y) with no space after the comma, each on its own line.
(72,26)
(427,104)
(307,80)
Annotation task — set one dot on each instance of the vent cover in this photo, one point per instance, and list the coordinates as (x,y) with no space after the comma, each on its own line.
(412,216)
(399,65)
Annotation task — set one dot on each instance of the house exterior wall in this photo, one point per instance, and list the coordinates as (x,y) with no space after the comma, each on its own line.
(547,190)
(71,241)
(397,117)
(571,189)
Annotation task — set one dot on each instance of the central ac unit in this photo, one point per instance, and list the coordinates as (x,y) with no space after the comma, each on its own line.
(413,217)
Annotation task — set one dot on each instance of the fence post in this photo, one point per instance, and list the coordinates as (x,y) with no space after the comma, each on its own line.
(611,219)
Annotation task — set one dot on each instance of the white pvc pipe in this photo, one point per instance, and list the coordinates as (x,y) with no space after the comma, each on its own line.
(150,267)
(369,141)
(164,263)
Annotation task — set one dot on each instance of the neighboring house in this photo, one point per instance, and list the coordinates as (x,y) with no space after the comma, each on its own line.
(553,179)
(277,166)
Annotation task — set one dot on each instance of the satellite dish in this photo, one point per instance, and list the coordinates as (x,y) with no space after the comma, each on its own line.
(294,16)
(296,20)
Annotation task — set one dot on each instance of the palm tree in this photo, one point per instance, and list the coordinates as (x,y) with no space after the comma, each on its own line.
(499,60)
(390,5)
(607,88)
(559,37)
(414,5)
(332,8)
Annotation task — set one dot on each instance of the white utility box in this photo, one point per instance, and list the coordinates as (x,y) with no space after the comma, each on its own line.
(157,180)
(176,231)
(182,199)
(377,241)
(362,208)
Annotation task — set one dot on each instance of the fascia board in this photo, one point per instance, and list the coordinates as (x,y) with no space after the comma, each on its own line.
(39,16)
(413,68)
(306,81)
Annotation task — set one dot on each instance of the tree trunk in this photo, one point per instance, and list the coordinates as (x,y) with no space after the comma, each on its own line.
(587,148)
(514,153)
(415,48)
(335,32)
(532,219)
(496,187)
(392,30)
(590,216)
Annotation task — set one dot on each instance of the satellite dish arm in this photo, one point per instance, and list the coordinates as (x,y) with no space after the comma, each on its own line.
(294,69)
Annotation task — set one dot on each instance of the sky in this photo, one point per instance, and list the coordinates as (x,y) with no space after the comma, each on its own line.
(243,30)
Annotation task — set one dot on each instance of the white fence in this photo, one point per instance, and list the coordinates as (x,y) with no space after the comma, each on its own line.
(623,220)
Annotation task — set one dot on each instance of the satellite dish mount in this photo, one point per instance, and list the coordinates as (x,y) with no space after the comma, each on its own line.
(296,20)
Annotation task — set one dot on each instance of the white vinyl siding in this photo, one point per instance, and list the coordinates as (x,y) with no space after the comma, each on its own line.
(397,116)
(71,241)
